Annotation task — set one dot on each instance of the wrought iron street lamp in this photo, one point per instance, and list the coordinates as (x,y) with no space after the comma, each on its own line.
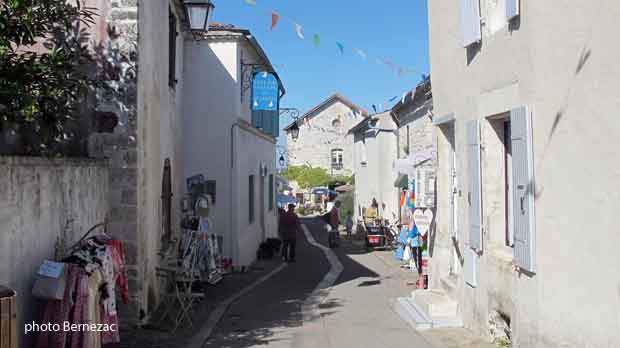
(282,161)
(199,14)
(294,131)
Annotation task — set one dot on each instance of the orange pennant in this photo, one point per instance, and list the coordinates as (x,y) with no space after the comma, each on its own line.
(275,17)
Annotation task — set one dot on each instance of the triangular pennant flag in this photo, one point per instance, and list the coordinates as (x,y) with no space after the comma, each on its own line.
(251,2)
(361,53)
(317,40)
(340,47)
(299,31)
(275,17)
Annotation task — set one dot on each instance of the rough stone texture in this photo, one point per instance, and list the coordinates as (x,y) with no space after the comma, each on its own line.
(42,201)
(318,136)
(120,50)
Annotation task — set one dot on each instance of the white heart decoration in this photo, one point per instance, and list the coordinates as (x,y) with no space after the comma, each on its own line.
(423,220)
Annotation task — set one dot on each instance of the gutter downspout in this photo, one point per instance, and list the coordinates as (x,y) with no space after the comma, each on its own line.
(234,231)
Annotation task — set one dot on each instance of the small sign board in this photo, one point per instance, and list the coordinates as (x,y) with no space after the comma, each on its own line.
(265,92)
(51,269)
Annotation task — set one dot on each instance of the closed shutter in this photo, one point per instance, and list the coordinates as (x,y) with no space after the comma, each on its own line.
(257,119)
(276,124)
(470,268)
(523,189)
(474,200)
(512,9)
(470,21)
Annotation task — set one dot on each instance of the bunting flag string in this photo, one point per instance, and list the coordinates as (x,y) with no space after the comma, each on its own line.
(316,39)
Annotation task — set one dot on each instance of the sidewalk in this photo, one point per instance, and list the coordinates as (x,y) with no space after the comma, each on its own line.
(151,336)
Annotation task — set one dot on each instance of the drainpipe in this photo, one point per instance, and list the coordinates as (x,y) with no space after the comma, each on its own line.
(234,231)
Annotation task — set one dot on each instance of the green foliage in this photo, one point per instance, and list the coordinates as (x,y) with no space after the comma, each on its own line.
(308,177)
(346,207)
(43,56)
(301,210)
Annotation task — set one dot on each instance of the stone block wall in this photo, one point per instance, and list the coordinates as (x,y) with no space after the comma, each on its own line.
(320,134)
(119,49)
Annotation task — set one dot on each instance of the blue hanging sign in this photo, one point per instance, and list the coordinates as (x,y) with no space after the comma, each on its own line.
(265,92)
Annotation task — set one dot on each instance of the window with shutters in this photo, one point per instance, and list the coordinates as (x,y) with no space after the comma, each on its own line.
(470,22)
(497,179)
(172,48)
(523,189)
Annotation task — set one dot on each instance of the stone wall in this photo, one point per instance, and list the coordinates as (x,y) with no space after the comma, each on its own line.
(119,48)
(42,202)
(319,135)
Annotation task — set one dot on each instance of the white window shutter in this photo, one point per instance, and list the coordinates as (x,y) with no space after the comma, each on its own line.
(470,21)
(523,189)
(512,9)
(470,268)
(474,199)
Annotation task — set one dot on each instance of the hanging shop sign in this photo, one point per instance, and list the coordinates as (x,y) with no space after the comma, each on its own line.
(265,92)
(425,188)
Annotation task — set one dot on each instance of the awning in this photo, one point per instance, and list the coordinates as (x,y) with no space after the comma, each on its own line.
(406,165)
(345,188)
(402,181)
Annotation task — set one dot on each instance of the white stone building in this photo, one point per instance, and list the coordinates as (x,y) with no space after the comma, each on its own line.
(375,144)
(322,138)
(220,142)
(525,98)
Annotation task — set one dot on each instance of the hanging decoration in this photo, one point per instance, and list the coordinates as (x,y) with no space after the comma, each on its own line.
(275,17)
(361,53)
(317,40)
(340,47)
(299,31)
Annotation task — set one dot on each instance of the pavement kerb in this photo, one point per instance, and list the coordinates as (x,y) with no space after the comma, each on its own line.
(310,307)
(205,330)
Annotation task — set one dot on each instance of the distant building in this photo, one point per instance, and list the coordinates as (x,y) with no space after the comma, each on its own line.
(322,136)
(375,143)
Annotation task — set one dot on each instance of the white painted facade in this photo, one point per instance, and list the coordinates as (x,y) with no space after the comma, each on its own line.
(375,150)
(220,143)
(557,60)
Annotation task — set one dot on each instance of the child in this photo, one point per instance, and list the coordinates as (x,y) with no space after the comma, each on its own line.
(349,226)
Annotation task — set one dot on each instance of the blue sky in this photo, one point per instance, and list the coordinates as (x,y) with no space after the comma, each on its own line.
(395,30)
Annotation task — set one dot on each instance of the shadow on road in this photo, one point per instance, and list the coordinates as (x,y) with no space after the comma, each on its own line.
(271,314)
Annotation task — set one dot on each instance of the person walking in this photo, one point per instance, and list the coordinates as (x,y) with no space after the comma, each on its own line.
(349,226)
(289,226)
(334,221)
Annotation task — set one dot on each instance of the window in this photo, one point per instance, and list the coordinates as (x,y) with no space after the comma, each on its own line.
(251,199)
(336,123)
(271,192)
(172,48)
(337,155)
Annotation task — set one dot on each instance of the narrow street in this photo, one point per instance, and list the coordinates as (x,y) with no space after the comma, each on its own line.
(355,313)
